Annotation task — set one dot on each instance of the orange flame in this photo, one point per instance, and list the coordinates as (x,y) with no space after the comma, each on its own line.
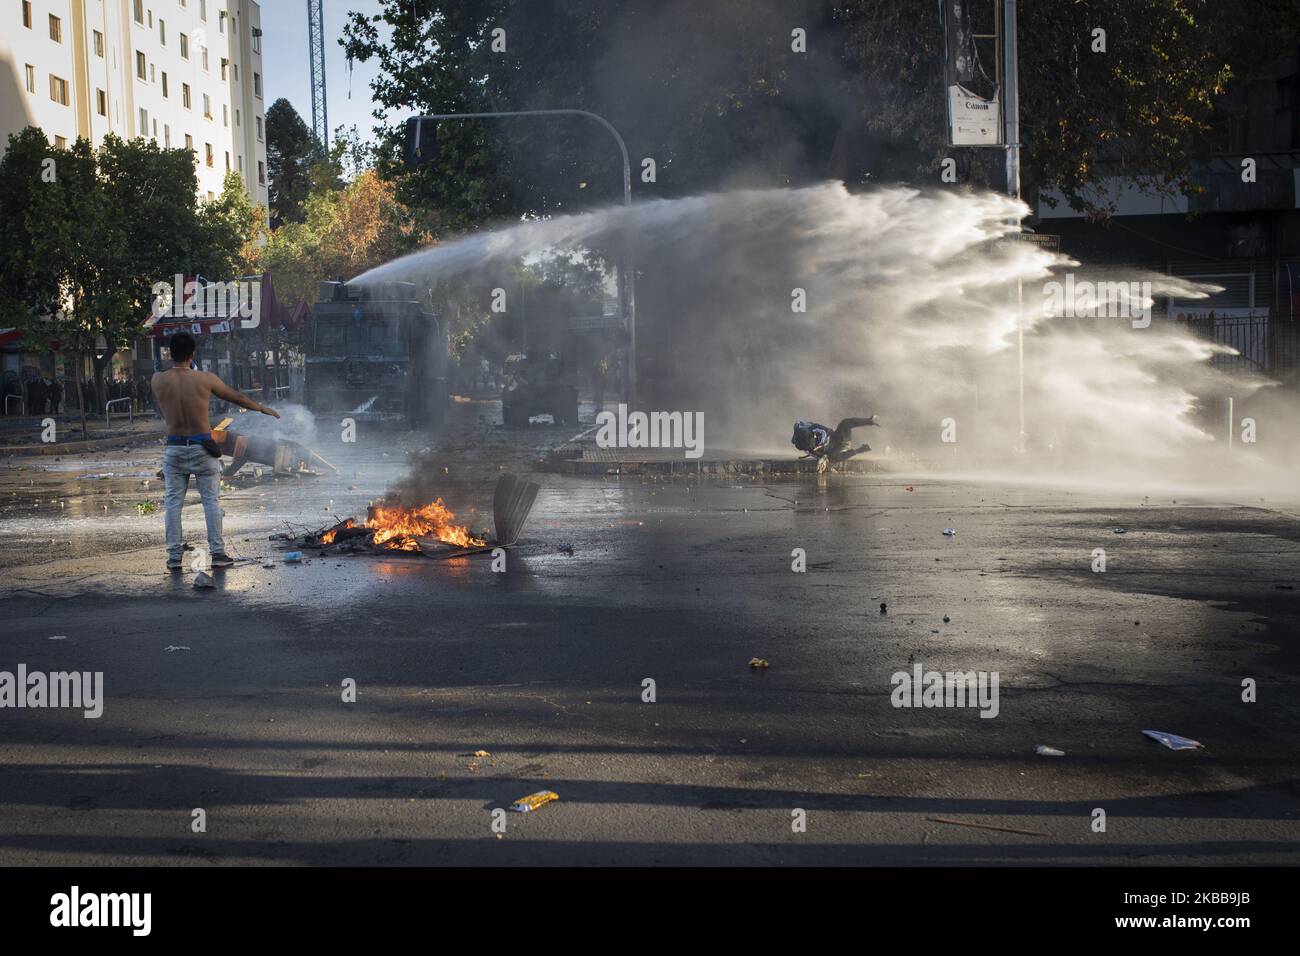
(329,536)
(397,527)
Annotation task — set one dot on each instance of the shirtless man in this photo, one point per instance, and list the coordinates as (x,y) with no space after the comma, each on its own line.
(182,392)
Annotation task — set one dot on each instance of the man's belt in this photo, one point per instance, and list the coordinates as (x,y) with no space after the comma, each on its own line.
(188,439)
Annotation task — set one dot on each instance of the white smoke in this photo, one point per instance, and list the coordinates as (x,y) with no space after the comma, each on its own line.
(911,315)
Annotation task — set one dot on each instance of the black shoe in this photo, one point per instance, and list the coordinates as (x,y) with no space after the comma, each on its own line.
(222,560)
(174,564)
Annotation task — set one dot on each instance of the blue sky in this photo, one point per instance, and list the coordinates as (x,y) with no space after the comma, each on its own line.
(287,67)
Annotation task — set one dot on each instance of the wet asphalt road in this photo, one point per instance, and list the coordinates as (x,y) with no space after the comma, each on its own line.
(230,700)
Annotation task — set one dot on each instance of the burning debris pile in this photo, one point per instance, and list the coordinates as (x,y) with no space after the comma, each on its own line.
(430,530)
(395,528)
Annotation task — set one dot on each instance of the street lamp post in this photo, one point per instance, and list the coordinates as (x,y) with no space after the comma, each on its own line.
(626,275)
(1011,69)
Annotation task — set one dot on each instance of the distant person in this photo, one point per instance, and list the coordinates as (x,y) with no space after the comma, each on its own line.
(35,397)
(830,447)
(53,394)
(183,394)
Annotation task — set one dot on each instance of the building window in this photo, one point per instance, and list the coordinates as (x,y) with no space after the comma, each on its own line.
(58,90)
(203,9)
(221,27)
(257,40)
(185,46)
(224,64)
(257,84)
(155,130)
(259,126)
(144,122)
(189,141)
(139,11)
(207,106)
(56,29)
(205,59)
(99,44)
(167,136)
(31,78)
(27,14)
(162,32)
(185,95)
(261,173)
(140,69)
(101,102)
(239,162)
(60,142)
(227,160)
(207,149)
(153,74)
(225,115)
(236,118)
(164,84)
(235,68)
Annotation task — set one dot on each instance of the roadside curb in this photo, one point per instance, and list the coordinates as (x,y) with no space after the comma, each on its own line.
(751,466)
(73,447)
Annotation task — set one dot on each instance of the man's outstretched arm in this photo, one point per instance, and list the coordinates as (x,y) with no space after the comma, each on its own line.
(235,397)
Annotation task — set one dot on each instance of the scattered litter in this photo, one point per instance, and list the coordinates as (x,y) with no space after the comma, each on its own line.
(534,801)
(174,647)
(1173,741)
(946,619)
(268,564)
(758,662)
(909,488)
(883,607)
(1121,530)
(202,580)
(987,826)
(482,753)
(1045,751)
(59,637)
(145,507)
(292,557)
(950,532)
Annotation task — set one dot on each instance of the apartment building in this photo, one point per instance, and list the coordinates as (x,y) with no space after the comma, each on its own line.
(180,72)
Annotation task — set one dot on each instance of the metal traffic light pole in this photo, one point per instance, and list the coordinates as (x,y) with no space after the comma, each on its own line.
(626,274)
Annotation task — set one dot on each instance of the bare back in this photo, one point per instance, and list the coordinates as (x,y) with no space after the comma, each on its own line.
(183,395)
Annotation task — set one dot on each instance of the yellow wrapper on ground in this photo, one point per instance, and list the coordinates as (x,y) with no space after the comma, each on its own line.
(533,801)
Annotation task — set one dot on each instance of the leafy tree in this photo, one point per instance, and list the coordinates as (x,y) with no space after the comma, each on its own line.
(230,227)
(87,244)
(715,94)
(344,232)
(291,151)
(30,200)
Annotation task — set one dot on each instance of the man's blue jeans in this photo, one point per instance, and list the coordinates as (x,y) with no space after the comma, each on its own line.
(179,462)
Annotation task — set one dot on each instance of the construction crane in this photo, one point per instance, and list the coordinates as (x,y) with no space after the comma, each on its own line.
(316,45)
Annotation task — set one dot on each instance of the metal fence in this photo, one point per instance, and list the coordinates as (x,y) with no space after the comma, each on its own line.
(1262,345)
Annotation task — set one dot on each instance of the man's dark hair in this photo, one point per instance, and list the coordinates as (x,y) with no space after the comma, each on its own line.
(181,346)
